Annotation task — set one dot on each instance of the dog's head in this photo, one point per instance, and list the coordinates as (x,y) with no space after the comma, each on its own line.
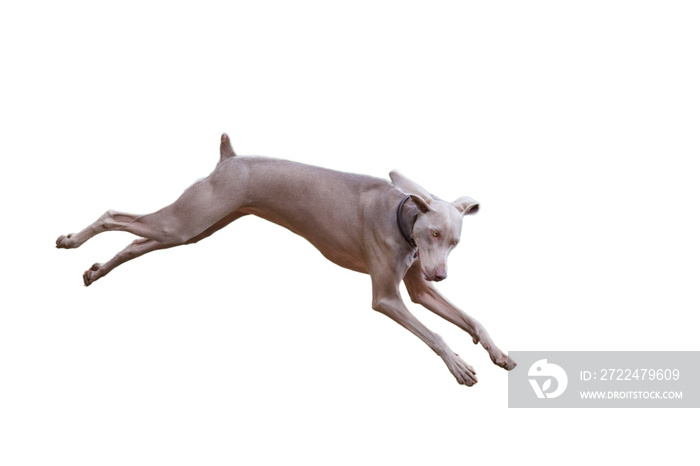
(438,225)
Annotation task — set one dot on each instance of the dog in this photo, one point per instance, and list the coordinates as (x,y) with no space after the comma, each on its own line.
(392,231)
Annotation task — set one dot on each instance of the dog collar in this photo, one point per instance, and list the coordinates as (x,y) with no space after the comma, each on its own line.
(402,226)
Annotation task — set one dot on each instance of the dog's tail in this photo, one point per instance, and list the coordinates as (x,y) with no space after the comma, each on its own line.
(225,148)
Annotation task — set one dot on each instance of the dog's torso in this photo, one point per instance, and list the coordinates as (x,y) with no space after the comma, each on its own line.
(333,210)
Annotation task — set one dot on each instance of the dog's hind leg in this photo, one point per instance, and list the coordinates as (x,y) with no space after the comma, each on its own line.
(142,246)
(110,220)
(201,206)
(138,248)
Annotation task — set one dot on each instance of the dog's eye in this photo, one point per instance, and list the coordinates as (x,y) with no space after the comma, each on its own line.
(455,243)
(436,234)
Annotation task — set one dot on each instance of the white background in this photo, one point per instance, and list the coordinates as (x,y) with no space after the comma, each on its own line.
(574,124)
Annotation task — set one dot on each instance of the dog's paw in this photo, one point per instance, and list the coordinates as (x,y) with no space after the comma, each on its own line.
(463,372)
(64,242)
(91,275)
(504,361)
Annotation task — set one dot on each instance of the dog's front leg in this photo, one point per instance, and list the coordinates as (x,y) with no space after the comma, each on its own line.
(423,292)
(387,300)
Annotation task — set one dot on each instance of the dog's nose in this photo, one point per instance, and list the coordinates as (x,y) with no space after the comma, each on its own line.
(440,275)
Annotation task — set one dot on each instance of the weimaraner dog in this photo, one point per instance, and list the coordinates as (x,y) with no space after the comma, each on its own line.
(391,232)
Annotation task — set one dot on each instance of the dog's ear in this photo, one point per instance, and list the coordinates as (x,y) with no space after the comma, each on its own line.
(466,205)
(420,196)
